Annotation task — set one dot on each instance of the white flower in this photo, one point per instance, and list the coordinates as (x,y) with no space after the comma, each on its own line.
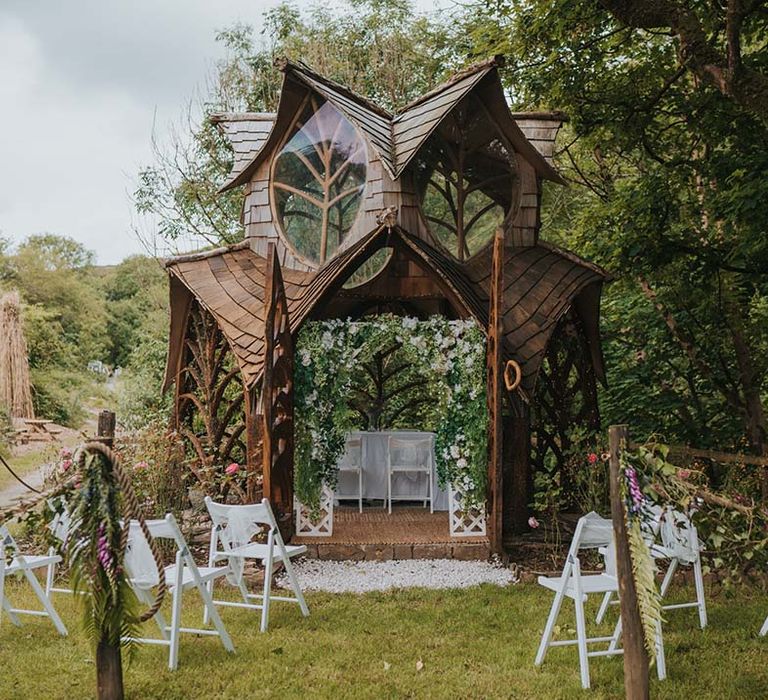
(461,463)
(410,323)
(327,340)
(306,358)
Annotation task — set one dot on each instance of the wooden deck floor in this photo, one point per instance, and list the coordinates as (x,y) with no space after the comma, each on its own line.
(411,532)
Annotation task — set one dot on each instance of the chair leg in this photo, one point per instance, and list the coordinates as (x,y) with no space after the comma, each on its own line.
(267,591)
(214,616)
(295,586)
(764,628)
(698,578)
(581,633)
(360,489)
(431,492)
(173,654)
(46,602)
(389,490)
(551,620)
(603,607)
(661,660)
(616,636)
(50,574)
(6,605)
(668,577)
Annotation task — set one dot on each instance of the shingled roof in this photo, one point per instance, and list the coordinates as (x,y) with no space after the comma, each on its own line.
(541,284)
(396,138)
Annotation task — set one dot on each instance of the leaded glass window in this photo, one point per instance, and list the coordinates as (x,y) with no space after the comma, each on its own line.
(318,181)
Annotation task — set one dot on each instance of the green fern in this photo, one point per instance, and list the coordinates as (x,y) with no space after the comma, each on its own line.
(644,574)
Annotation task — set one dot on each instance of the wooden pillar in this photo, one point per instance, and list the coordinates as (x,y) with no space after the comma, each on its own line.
(636,683)
(495,397)
(109,662)
(105,428)
(518,479)
(254,459)
(277,398)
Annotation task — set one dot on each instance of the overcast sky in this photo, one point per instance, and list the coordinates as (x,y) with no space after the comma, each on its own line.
(81,84)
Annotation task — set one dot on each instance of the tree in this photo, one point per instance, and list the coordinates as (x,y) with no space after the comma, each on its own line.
(663,163)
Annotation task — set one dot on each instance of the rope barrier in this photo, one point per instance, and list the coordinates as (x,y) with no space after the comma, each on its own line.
(131,511)
(17,477)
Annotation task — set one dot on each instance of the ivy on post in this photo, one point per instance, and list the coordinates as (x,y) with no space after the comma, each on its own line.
(636,660)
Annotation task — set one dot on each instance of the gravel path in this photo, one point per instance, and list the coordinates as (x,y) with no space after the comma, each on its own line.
(365,576)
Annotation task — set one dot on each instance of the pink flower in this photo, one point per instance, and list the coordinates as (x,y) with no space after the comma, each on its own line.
(141,465)
(66,464)
(591,458)
(684,474)
(232,469)
(533,523)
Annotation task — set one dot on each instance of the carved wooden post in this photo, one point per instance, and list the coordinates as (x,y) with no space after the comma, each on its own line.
(635,653)
(105,429)
(517,466)
(277,397)
(495,395)
(109,662)
(253,444)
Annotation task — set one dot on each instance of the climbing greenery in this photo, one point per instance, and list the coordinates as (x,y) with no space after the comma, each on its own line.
(449,354)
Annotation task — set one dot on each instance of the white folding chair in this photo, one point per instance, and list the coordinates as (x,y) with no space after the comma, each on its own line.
(182,575)
(354,458)
(764,628)
(410,456)
(234,527)
(679,546)
(25,564)
(59,527)
(592,532)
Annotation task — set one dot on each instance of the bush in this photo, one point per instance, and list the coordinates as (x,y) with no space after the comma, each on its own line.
(59,395)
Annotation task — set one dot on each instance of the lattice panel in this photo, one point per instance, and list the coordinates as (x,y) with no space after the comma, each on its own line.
(320,526)
(465,522)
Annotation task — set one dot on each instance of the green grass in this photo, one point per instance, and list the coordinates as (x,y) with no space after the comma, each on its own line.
(478,643)
(26,464)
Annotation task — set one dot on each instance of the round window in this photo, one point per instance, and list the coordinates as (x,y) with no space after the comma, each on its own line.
(318,181)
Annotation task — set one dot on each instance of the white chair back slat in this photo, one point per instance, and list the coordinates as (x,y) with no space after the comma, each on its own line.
(237,524)
(139,561)
(410,451)
(592,532)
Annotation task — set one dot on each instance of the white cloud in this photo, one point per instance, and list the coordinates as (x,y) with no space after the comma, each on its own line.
(81,84)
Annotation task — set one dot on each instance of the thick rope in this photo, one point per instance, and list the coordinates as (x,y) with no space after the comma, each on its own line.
(131,511)
(17,477)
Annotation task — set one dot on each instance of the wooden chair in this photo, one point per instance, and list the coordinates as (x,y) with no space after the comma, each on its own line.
(414,456)
(182,575)
(233,529)
(26,564)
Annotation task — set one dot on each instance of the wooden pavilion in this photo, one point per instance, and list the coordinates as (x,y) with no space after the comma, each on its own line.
(350,210)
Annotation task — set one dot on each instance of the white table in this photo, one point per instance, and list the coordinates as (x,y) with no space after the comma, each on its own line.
(375,471)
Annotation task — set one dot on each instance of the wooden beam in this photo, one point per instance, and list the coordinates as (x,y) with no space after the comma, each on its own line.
(636,683)
(714,455)
(517,479)
(494,358)
(277,398)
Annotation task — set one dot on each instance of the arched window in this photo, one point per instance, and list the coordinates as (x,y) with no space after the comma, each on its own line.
(467,179)
(318,180)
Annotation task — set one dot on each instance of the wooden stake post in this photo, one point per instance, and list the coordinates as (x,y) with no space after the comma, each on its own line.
(635,654)
(109,662)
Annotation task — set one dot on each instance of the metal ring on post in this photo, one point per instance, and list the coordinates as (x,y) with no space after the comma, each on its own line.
(509,368)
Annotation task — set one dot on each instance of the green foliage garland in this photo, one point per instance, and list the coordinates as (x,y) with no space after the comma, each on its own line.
(452,355)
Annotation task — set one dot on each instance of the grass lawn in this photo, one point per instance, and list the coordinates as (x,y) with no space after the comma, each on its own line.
(477,643)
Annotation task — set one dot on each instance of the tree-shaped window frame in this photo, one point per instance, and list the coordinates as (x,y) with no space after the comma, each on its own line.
(468,181)
(326,158)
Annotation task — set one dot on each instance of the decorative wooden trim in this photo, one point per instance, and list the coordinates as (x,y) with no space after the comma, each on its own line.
(319,524)
(494,355)
(463,521)
(277,397)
